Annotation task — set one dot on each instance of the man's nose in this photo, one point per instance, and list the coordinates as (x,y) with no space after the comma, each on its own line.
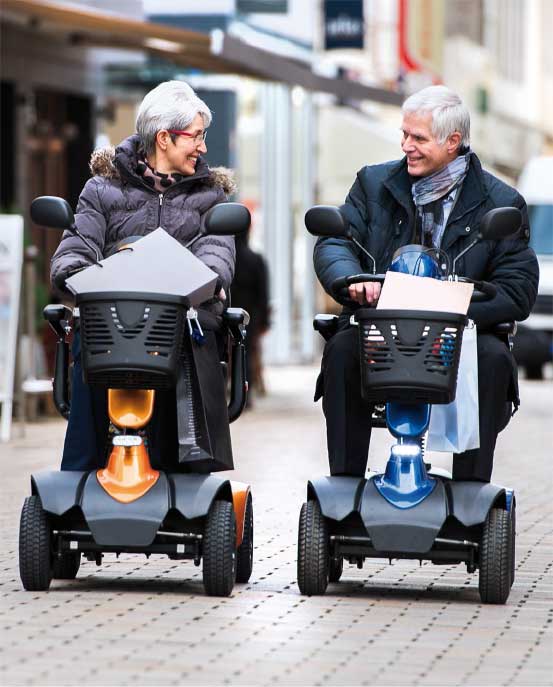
(407,144)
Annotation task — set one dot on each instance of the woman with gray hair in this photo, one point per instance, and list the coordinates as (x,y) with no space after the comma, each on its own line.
(156,177)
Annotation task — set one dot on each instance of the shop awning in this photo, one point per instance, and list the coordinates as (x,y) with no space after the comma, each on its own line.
(217,53)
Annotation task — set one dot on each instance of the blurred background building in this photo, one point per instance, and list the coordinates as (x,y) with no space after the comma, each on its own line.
(304,93)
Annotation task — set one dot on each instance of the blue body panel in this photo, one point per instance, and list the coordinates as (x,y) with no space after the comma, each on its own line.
(416,260)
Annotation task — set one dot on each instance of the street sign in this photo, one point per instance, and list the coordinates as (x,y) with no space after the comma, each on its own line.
(11,259)
(344,24)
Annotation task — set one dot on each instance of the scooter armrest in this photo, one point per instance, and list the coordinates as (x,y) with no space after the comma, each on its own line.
(505,329)
(236,316)
(326,325)
(55,314)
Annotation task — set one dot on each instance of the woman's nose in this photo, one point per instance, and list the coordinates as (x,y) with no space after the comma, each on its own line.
(202,147)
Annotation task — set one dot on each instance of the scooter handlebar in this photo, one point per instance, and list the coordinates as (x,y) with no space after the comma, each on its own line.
(339,286)
(483,290)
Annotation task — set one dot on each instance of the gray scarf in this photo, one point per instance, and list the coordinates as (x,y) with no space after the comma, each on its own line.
(429,193)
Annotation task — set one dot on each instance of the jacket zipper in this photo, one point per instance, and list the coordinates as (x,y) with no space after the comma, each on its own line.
(160,206)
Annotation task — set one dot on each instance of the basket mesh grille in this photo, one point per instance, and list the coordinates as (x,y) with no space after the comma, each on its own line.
(410,357)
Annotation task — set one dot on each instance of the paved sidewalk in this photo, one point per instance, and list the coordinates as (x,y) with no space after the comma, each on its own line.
(138,622)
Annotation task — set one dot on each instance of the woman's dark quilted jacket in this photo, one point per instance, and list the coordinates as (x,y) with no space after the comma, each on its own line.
(116,203)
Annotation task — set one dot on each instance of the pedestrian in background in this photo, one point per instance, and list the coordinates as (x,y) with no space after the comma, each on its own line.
(250,290)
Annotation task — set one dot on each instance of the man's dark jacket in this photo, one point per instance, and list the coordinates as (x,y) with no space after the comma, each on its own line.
(381,213)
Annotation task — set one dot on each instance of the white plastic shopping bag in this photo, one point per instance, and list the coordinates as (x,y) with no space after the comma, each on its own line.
(454,426)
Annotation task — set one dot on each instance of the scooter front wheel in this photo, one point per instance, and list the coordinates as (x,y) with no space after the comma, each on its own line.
(313,550)
(496,557)
(35,550)
(219,549)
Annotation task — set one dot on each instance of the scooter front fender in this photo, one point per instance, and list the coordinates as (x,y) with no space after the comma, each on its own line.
(338,497)
(59,491)
(472,501)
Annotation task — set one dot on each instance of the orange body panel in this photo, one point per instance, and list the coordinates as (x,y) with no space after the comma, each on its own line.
(130,408)
(128,475)
(240,493)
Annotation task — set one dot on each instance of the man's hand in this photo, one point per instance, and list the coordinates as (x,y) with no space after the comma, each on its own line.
(365,293)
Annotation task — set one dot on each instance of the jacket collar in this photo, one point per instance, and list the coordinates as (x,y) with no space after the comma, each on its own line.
(398,183)
(474,192)
(126,158)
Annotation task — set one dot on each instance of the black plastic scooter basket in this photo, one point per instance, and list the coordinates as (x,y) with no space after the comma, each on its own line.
(131,340)
(409,356)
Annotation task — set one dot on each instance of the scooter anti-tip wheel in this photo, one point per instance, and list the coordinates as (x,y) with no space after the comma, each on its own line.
(313,550)
(244,553)
(497,557)
(35,550)
(66,567)
(336,569)
(219,549)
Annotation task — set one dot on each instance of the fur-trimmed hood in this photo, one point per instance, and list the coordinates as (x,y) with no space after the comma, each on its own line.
(103,163)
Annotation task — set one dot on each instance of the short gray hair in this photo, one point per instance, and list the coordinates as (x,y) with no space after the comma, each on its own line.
(449,113)
(171,105)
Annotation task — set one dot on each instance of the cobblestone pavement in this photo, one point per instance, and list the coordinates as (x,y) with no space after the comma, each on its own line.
(140,622)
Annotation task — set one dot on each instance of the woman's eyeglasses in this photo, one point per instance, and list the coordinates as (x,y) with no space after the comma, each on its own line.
(198,138)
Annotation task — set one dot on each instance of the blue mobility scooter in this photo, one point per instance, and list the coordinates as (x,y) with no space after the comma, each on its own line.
(409,361)
(138,340)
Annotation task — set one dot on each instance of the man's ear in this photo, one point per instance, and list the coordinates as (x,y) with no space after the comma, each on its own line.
(162,139)
(454,142)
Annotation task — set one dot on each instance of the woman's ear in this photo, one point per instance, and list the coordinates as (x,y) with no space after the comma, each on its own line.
(162,139)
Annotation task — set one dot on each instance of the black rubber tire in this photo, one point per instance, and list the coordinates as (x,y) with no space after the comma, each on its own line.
(336,568)
(496,558)
(35,550)
(512,541)
(313,550)
(66,567)
(244,553)
(219,549)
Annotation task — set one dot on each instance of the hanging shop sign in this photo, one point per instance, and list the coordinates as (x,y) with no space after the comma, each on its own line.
(344,24)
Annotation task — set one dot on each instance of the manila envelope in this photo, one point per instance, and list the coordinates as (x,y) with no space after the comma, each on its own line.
(408,292)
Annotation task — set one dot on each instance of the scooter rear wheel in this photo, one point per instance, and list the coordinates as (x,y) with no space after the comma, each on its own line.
(219,549)
(35,551)
(496,557)
(313,550)
(244,553)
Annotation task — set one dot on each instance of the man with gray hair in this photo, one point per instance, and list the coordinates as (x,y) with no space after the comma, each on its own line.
(435,196)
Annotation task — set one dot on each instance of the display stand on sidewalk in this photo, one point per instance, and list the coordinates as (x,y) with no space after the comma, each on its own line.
(11,258)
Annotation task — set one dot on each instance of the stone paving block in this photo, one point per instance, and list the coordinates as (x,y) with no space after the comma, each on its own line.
(399,624)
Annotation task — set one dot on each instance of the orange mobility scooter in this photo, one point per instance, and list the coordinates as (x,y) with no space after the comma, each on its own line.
(139,334)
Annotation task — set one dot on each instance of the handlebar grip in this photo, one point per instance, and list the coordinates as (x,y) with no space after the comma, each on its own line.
(339,285)
(483,291)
